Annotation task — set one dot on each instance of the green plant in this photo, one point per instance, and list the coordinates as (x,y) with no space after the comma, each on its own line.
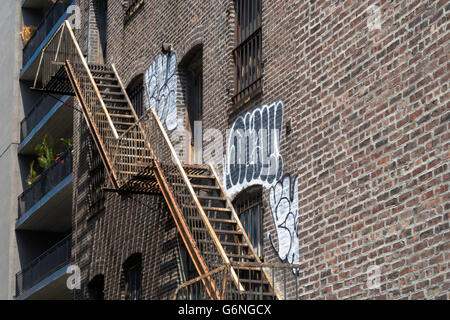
(32,176)
(68,142)
(46,154)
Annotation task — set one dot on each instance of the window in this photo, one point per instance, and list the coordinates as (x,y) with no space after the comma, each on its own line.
(248,52)
(132,269)
(98,29)
(249,208)
(191,70)
(96,288)
(135,92)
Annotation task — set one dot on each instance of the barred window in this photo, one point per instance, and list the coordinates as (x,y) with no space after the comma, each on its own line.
(248,51)
(132,269)
(135,92)
(249,209)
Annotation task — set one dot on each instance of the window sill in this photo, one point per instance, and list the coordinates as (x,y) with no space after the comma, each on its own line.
(239,101)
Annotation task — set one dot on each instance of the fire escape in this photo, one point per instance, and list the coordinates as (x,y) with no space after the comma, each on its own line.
(139,158)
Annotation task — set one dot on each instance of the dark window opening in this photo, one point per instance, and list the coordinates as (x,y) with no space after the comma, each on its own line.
(249,208)
(132,269)
(191,70)
(135,92)
(248,51)
(96,288)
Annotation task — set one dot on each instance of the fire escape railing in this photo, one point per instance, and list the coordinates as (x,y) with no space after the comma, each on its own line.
(286,283)
(62,54)
(172,176)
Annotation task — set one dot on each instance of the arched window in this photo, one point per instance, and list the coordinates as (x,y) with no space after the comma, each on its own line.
(248,205)
(96,288)
(132,271)
(135,92)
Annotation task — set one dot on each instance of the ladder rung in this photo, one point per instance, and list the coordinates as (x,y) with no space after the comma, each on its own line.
(102,71)
(199,186)
(200,176)
(111,93)
(231,255)
(217,209)
(115,100)
(106,85)
(215,220)
(118,123)
(219,231)
(229,244)
(112,107)
(96,78)
(118,115)
(211,198)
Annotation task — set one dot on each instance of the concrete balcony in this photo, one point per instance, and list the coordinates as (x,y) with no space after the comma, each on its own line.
(47,204)
(51,116)
(46,276)
(54,16)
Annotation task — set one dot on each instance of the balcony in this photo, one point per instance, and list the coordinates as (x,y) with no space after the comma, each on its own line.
(45,277)
(54,17)
(47,116)
(47,204)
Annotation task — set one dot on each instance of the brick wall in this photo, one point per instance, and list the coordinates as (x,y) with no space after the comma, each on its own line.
(368,109)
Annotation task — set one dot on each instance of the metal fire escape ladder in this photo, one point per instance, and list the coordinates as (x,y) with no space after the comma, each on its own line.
(140,158)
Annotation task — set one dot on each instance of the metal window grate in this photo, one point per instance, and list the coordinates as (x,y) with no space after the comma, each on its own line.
(249,209)
(133,277)
(135,92)
(248,53)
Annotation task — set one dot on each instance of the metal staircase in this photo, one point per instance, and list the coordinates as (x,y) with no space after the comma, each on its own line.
(140,158)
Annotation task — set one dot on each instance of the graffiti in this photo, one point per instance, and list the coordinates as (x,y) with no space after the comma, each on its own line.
(253,158)
(283,199)
(161,88)
(253,150)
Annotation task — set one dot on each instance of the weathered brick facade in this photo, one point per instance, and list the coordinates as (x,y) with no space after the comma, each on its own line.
(365,130)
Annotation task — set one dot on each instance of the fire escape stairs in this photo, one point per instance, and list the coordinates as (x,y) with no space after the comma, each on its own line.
(140,158)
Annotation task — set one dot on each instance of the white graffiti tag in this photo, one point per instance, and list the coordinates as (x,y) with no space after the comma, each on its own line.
(253,151)
(284,205)
(253,158)
(161,88)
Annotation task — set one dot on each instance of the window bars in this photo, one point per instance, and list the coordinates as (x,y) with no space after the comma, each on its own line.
(248,53)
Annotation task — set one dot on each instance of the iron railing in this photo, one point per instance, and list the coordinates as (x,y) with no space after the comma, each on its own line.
(39,110)
(286,283)
(147,141)
(50,178)
(52,16)
(43,266)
